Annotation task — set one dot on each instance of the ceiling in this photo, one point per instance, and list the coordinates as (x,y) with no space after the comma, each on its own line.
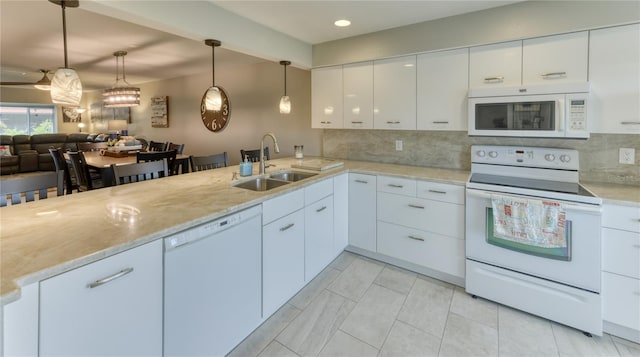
(31,35)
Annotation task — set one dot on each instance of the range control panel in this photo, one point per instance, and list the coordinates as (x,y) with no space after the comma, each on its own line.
(525,156)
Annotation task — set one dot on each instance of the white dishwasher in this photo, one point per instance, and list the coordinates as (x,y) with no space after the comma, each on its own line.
(212,283)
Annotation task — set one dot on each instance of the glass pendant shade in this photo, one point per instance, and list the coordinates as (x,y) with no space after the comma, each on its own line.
(66,87)
(213,99)
(285,105)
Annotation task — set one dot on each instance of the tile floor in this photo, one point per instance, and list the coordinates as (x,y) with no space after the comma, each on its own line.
(361,307)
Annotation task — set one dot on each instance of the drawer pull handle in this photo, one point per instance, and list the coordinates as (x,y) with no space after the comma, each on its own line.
(637,293)
(113,277)
(416,238)
(321,209)
(637,246)
(361,181)
(394,185)
(440,122)
(630,122)
(416,206)
(393,122)
(440,192)
(356,122)
(494,79)
(287,227)
(553,74)
(325,122)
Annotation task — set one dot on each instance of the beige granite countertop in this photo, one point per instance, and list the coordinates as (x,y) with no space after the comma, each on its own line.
(41,239)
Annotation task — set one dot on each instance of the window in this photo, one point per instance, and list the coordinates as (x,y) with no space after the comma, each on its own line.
(28,119)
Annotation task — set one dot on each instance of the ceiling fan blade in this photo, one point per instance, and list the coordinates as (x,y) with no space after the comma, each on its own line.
(15,83)
(41,84)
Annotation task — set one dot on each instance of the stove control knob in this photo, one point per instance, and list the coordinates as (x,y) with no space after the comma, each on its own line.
(493,154)
(481,153)
(565,158)
(549,157)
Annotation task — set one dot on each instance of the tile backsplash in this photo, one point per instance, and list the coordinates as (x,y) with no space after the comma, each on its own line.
(452,149)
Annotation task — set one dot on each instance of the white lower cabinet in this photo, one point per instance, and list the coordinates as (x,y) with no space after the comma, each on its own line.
(340,213)
(318,224)
(112,307)
(20,324)
(428,232)
(362,211)
(282,261)
(621,271)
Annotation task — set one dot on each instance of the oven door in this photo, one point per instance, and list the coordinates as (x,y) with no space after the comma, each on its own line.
(576,265)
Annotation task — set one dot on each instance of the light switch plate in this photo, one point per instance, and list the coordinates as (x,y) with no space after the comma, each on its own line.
(398,145)
(627,156)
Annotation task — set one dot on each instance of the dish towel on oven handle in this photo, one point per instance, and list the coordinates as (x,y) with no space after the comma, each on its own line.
(540,223)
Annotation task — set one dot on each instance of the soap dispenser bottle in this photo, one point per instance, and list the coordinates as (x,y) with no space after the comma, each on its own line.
(246,167)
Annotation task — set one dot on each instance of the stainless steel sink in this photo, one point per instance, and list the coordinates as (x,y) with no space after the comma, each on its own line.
(261,184)
(291,176)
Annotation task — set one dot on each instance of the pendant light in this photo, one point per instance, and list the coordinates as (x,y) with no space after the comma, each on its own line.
(285,102)
(213,98)
(66,88)
(122,94)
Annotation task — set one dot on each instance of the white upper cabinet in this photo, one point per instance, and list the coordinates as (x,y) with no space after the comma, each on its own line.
(443,80)
(394,93)
(358,95)
(554,59)
(614,69)
(496,65)
(326,97)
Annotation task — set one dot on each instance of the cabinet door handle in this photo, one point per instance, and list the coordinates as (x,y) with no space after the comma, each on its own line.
(630,122)
(637,246)
(416,206)
(393,122)
(494,79)
(440,122)
(325,122)
(440,192)
(282,229)
(113,277)
(321,209)
(553,74)
(415,238)
(356,122)
(360,181)
(394,185)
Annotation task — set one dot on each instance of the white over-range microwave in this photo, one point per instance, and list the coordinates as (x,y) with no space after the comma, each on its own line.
(542,111)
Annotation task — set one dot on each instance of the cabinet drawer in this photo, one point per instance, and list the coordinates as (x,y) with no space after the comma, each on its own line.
(621,252)
(621,217)
(431,216)
(318,191)
(282,205)
(621,300)
(445,254)
(441,192)
(401,186)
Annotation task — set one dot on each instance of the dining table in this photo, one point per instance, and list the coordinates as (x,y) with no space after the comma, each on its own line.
(102,163)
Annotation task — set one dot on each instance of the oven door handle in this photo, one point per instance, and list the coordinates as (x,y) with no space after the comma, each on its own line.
(569,206)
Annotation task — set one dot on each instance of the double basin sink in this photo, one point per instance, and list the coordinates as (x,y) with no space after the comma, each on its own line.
(276,179)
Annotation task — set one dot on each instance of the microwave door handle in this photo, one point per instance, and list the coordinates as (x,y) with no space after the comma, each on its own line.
(560,109)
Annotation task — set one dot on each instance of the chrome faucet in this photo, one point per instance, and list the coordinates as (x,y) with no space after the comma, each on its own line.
(262,159)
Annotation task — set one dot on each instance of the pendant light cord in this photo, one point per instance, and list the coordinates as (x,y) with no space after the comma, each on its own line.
(64,33)
(285,79)
(213,66)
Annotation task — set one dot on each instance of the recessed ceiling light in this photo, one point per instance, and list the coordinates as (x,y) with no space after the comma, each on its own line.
(342,23)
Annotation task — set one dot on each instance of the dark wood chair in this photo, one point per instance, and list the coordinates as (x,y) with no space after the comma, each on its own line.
(13,190)
(60,163)
(92,146)
(179,148)
(201,163)
(141,171)
(86,181)
(182,165)
(170,156)
(157,146)
(253,155)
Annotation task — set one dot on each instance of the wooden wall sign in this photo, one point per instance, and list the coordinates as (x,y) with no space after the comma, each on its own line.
(160,112)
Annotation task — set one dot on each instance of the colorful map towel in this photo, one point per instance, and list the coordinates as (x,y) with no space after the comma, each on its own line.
(538,223)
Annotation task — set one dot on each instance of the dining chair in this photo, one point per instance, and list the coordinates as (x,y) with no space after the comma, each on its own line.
(253,155)
(157,146)
(170,156)
(86,181)
(179,148)
(201,163)
(141,171)
(13,190)
(92,146)
(60,163)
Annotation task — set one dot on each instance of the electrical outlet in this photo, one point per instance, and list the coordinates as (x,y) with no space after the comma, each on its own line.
(398,145)
(627,156)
